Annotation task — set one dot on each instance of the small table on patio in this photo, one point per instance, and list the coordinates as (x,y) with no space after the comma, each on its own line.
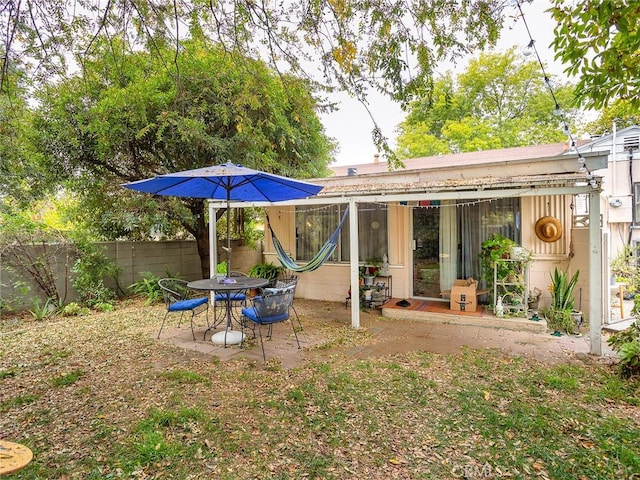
(219,285)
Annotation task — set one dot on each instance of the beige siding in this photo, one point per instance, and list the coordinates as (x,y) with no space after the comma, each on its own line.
(533,208)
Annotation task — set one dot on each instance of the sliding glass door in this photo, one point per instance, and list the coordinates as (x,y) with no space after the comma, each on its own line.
(447,237)
(426,252)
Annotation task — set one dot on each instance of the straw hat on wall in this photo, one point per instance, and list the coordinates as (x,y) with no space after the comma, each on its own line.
(548,229)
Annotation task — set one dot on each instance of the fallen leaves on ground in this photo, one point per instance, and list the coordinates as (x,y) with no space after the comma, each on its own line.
(140,408)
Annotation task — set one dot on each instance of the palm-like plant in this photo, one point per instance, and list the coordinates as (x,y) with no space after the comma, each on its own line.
(562,290)
(559,312)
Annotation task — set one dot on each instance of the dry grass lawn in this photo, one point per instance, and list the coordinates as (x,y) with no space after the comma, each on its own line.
(98,397)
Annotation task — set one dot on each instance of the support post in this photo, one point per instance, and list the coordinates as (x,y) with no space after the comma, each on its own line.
(354,264)
(596,285)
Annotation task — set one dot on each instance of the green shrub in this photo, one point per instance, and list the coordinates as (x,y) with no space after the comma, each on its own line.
(625,270)
(41,312)
(558,314)
(105,307)
(627,344)
(147,287)
(221,268)
(265,270)
(73,308)
(90,271)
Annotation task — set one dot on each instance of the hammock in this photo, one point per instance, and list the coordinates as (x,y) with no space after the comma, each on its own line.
(316,262)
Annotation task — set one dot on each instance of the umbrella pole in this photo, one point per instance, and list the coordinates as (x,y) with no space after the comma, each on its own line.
(228,239)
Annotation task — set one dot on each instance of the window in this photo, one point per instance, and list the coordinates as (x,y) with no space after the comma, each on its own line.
(477,222)
(314,226)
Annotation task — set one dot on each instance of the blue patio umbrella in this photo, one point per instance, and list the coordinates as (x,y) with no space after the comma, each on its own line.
(228,182)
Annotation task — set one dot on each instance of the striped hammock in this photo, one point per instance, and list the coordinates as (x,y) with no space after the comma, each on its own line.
(316,262)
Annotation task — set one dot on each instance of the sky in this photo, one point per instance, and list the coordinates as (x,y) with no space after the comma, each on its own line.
(351,124)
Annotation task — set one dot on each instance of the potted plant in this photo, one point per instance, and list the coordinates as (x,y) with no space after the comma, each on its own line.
(369,270)
(221,268)
(266,270)
(492,249)
(558,314)
(534,298)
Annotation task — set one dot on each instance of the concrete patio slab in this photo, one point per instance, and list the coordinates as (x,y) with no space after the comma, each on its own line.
(380,336)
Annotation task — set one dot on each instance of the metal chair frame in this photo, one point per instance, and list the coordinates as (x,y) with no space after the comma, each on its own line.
(178,297)
(291,281)
(268,309)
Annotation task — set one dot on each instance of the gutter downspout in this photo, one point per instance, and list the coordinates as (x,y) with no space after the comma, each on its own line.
(614,140)
(633,198)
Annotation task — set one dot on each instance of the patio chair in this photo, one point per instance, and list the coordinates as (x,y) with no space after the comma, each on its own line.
(272,307)
(291,281)
(180,298)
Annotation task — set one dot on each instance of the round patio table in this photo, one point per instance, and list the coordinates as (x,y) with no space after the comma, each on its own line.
(223,285)
(13,457)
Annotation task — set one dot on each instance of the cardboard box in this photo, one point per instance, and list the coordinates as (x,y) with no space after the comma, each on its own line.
(463,295)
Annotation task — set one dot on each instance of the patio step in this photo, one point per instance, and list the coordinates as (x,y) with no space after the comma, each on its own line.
(449,317)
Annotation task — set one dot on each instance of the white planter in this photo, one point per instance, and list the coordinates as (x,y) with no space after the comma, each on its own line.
(577,319)
(518,253)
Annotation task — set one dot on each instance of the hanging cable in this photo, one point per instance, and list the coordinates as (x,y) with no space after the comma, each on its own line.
(573,145)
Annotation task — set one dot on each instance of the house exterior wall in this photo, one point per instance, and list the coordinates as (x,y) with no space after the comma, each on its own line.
(622,172)
(580,261)
(331,281)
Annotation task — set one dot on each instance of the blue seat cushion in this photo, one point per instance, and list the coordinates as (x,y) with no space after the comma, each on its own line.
(234,297)
(252,315)
(188,304)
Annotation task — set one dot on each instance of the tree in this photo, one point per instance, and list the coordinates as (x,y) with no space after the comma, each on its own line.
(620,111)
(21,178)
(391,47)
(125,118)
(600,44)
(500,101)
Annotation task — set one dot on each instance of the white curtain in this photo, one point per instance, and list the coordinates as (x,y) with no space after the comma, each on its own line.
(448,244)
(314,226)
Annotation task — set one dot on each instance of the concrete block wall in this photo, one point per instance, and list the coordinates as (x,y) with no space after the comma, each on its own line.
(179,257)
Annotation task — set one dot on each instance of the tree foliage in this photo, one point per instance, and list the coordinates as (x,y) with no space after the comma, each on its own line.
(501,100)
(22,178)
(623,112)
(125,117)
(354,46)
(600,44)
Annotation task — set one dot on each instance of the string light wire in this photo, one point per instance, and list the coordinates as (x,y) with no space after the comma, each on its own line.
(573,146)
(436,204)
